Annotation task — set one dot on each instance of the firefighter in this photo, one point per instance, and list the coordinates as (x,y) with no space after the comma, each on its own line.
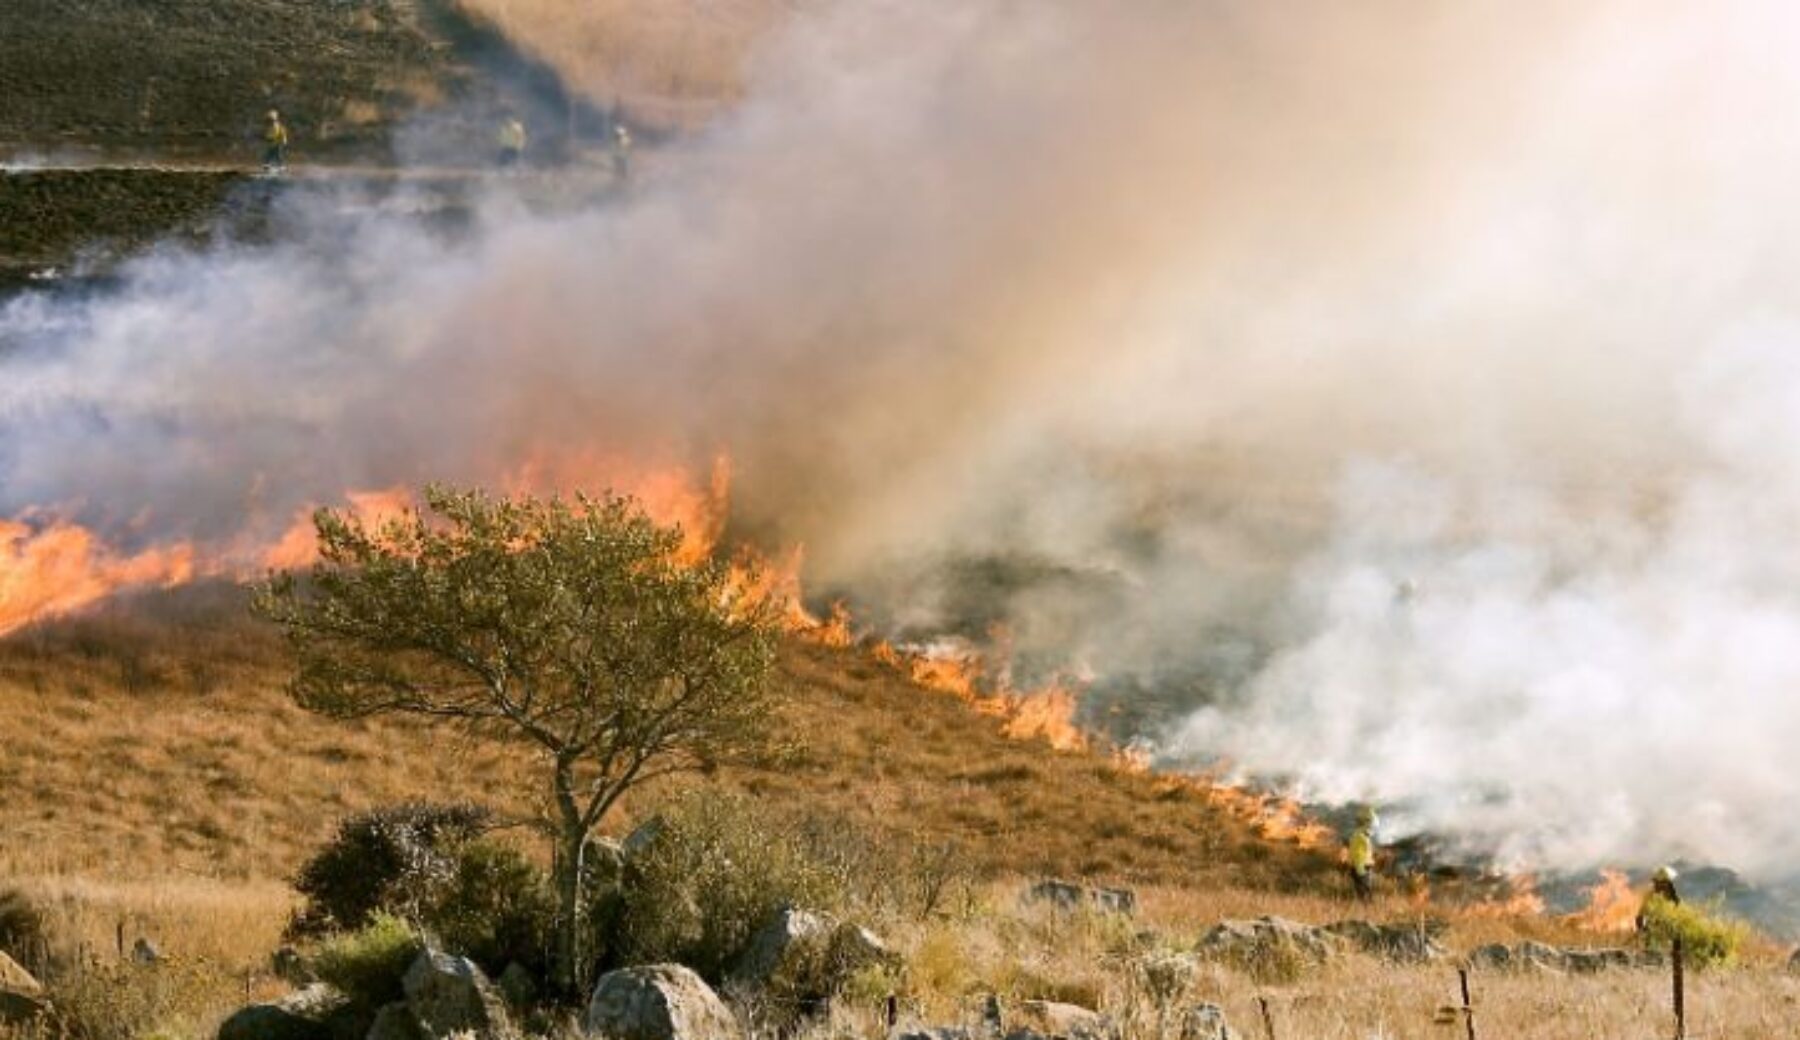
(1662,887)
(1359,854)
(621,152)
(275,143)
(512,142)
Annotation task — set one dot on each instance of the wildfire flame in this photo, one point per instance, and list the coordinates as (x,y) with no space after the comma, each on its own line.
(61,567)
(1612,905)
(1522,900)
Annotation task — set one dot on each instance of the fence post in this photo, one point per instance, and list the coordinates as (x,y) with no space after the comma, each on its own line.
(1262,1004)
(1468,1006)
(119,938)
(1678,981)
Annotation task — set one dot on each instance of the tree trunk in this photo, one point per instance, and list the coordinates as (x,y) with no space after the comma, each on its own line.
(571,847)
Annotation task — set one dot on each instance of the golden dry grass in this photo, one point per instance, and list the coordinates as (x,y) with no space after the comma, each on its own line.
(156,777)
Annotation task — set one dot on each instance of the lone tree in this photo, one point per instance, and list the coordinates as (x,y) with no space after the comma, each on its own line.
(573,626)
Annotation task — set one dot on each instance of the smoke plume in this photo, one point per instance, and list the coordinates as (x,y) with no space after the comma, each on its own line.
(1404,397)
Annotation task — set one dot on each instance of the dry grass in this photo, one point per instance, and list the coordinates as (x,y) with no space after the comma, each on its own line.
(155,776)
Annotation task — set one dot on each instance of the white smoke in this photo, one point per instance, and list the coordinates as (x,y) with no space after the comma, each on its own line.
(1415,386)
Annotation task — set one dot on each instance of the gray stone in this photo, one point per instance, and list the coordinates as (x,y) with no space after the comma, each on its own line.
(788,949)
(1206,1022)
(1263,937)
(290,965)
(1067,895)
(657,1002)
(1064,1021)
(1593,962)
(641,838)
(933,1033)
(1411,943)
(145,952)
(1492,957)
(1167,977)
(306,1014)
(1539,956)
(449,994)
(396,1022)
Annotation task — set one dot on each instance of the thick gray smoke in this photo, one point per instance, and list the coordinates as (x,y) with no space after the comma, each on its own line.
(1417,387)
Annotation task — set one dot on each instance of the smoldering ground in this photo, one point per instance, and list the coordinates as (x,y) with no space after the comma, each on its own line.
(1402,395)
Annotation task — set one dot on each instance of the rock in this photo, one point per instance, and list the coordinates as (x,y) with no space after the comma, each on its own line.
(15,979)
(396,1022)
(1592,962)
(1064,1021)
(657,1002)
(1263,937)
(1205,1022)
(1166,977)
(306,1014)
(854,948)
(20,1009)
(1066,895)
(1398,943)
(933,1033)
(1492,957)
(145,952)
(449,994)
(1650,959)
(788,950)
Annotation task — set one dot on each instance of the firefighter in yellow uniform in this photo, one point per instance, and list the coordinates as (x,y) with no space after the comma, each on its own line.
(512,143)
(275,143)
(1359,854)
(1662,888)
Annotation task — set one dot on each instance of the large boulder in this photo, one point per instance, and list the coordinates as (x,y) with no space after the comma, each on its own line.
(657,1002)
(1411,943)
(15,979)
(1571,960)
(1593,962)
(449,994)
(1063,1021)
(803,956)
(1266,937)
(1067,895)
(1206,1022)
(312,1013)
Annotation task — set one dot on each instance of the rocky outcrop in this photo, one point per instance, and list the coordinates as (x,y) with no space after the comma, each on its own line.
(1059,1021)
(1265,938)
(1410,943)
(1570,960)
(803,956)
(312,1013)
(396,1022)
(448,995)
(18,1009)
(657,1002)
(1206,1022)
(1066,895)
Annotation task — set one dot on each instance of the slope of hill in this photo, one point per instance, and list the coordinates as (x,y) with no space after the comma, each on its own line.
(155,736)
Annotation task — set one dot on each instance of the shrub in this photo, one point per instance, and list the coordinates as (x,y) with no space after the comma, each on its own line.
(1707,940)
(496,909)
(718,869)
(369,963)
(397,860)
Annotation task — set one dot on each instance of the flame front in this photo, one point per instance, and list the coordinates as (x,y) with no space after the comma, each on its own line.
(1612,905)
(61,567)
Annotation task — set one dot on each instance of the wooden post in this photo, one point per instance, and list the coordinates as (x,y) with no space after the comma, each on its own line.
(119,938)
(1468,1007)
(1268,1020)
(893,1010)
(1675,958)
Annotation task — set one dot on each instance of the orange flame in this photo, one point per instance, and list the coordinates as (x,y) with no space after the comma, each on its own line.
(1048,715)
(62,567)
(1612,905)
(1522,900)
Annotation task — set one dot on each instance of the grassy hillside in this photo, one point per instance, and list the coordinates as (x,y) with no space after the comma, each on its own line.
(173,77)
(157,781)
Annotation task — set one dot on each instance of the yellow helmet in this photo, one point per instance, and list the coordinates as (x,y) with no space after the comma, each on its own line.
(1366,816)
(1664,874)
